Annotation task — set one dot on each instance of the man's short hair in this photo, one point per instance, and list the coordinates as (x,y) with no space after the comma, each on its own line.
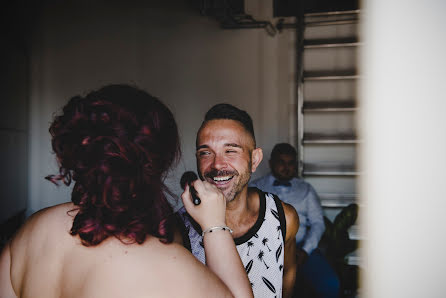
(227,111)
(283,148)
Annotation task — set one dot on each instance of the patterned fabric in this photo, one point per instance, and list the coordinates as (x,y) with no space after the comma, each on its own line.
(302,196)
(261,249)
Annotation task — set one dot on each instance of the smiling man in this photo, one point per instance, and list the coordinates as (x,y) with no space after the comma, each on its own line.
(263,227)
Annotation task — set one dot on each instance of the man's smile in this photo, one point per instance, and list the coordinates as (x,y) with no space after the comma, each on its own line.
(222,178)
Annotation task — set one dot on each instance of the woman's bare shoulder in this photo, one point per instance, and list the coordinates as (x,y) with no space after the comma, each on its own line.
(40,237)
(44,221)
(163,270)
(187,277)
(112,269)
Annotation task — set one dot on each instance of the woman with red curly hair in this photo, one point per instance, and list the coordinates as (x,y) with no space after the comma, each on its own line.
(116,236)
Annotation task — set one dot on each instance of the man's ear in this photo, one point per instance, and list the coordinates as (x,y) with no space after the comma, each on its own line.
(256,156)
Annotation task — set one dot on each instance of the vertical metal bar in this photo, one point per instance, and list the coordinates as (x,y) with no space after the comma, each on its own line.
(300,28)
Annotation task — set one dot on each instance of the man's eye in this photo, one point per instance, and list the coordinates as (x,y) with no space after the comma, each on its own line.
(203,153)
(231,151)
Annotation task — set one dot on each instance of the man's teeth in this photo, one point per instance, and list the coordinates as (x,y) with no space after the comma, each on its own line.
(220,179)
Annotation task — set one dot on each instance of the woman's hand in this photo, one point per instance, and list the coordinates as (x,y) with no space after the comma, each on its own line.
(221,254)
(211,211)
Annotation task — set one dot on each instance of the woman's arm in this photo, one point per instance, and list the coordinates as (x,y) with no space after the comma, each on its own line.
(221,254)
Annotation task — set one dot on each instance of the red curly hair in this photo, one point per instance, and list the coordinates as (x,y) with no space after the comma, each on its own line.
(117,145)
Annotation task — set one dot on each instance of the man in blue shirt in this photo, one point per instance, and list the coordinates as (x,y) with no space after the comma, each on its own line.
(301,195)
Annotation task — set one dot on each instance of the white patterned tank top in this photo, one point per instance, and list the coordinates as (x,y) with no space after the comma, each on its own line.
(261,249)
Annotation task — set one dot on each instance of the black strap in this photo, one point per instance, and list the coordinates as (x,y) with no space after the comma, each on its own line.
(282,218)
(182,227)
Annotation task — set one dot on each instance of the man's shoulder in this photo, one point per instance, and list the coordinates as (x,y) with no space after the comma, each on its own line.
(292,220)
(299,181)
(288,210)
(302,187)
(264,194)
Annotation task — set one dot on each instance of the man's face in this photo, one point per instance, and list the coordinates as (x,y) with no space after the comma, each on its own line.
(284,166)
(226,156)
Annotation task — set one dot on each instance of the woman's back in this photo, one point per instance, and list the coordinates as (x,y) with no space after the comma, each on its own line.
(46,261)
(117,144)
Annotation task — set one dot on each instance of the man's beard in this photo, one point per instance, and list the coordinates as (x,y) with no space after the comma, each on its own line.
(237,188)
(231,194)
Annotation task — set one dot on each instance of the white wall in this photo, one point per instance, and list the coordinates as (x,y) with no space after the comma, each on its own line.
(403,155)
(171,51)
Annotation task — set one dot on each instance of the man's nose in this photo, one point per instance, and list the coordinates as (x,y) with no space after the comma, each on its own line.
(219,162)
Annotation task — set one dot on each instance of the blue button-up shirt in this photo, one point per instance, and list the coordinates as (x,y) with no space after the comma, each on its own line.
(302,196)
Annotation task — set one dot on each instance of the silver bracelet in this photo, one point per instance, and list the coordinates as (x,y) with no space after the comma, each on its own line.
(224,228)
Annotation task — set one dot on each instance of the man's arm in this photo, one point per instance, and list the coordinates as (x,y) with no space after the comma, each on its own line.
(289,268)
(315,219)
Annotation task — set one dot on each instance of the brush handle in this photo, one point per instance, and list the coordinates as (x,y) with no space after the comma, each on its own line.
(195,199)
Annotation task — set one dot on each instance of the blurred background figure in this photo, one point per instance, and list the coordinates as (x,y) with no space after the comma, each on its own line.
(312,265)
